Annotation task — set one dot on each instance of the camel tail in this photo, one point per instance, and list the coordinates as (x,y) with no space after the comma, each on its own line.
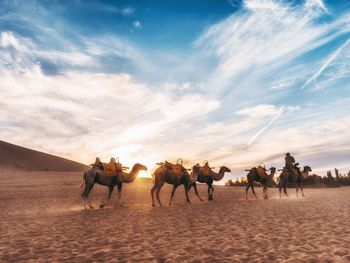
(83,180)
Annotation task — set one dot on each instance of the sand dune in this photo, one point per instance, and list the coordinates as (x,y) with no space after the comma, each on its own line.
(14,157)
(42,220)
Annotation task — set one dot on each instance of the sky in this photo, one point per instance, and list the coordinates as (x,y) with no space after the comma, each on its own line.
(234,82)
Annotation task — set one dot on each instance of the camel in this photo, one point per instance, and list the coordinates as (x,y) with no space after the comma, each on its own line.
(296,177)
(174,175)
(208,178)
(96,175)
(253,176)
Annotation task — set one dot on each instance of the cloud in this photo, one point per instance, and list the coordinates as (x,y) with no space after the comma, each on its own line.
(127,11)
(137,24)
(261,4)
(280,111)
(7,39)
(259,111)
(327,62)
(265,38)
(78,108)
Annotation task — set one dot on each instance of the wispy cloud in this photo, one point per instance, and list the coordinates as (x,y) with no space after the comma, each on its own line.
(266,37)
(266,126)
(332,57)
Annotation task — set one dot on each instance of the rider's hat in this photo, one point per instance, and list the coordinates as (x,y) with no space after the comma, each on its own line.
(287,154)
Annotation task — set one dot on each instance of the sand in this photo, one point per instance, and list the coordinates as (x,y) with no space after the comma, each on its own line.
(42,220)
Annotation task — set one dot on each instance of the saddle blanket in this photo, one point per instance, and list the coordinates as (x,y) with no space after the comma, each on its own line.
(177,169)
(206,170)
(261,172)
(110,169)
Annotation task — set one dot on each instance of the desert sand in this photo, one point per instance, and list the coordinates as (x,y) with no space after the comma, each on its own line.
(42,219)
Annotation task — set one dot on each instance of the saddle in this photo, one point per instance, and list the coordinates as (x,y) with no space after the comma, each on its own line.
(206,170)
(261,172)
(175,168)
(112,169)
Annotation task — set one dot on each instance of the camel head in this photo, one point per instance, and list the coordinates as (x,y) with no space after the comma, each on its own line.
(196,169)
(272,173)
(140,167)
(224,169)
(307,169)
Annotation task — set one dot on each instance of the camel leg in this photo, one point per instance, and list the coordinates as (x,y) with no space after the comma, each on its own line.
(210,192)
(254,191)
(120,185)
(157,194)
(285,190)
(186,194)
(83,195)
(172,193)
(280,190)
(152,192)
(302,192)
(210,196)
(196,191)
(110,191)
(88,188)
(246,191)
(297,191)
(265,192)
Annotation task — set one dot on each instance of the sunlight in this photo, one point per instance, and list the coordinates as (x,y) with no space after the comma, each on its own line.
(144,174)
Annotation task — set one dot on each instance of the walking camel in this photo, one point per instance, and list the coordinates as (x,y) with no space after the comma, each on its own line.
(96,175)
(174,174)
(294,177)
(254,175)
(207,176)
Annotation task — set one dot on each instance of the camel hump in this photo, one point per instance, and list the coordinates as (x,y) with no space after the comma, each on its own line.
(261,171)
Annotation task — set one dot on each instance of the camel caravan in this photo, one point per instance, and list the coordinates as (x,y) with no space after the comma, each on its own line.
(113,174)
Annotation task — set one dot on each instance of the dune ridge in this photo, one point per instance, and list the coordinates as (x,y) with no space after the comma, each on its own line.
(14,157)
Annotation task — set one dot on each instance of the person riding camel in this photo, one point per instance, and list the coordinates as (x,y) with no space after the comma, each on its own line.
(290,163)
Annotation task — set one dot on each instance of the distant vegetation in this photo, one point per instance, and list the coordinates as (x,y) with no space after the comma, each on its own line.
(313,180)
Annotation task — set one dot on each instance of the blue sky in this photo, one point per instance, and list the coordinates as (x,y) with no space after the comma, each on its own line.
(233,82)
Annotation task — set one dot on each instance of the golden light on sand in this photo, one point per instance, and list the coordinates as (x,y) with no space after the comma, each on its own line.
(144,174)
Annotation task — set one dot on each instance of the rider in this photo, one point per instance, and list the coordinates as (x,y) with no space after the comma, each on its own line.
(290,163)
